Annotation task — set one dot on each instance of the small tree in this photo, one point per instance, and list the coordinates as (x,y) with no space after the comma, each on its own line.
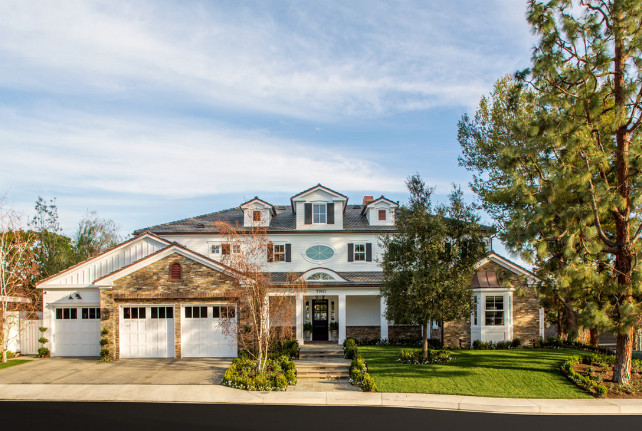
(43,351)
(428,265)
(94,235)
(266,306)
(18,270)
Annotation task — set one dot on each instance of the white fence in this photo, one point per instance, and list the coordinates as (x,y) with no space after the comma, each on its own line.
(29,335)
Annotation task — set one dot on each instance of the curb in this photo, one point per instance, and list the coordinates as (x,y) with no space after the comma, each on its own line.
(205,394)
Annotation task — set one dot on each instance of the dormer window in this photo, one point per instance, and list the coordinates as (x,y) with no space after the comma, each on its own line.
(256,215)
(319,213)
(382,214)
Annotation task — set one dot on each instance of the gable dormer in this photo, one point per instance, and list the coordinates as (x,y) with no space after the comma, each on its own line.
(257,212)
(379,212)
(319,208)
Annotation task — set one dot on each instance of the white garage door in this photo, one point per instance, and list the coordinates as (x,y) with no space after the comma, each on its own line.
(147,332)
(76,331)
(202,332)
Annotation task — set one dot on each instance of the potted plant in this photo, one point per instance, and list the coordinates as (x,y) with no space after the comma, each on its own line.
(334,330)
(307,330)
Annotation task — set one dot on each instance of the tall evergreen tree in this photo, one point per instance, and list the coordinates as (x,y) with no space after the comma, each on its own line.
(566,169)
(428,264)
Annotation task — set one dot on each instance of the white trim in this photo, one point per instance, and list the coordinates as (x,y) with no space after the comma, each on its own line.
(109,280)
(505,263)
(336,277)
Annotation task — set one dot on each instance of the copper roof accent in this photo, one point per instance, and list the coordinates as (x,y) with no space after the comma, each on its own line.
(484,280)
(367,199)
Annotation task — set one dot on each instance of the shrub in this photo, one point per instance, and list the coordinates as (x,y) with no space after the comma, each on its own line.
(415,357)
(103,341)
(10,354)
(516,343)
(43,340)
(500,345)
(104,331)
(349,348)
(558,343)
(334,326)
(368,383)
(584,382)
(307,326)
(242,374)
(43,352)
(288,347)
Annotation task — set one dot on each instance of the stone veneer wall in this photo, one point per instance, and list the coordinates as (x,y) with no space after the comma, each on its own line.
(525,311)
(360,332)
(404,332)
(152,285)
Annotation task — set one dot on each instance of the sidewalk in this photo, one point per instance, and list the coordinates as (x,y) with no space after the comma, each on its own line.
(223,395)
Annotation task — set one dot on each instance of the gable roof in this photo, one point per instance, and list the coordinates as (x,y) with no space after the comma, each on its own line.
(509,265)
(379,199)
(317,187)
(108,279)
(256,199)
(146,235)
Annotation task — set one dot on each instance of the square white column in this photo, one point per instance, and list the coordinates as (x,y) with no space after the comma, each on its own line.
(342,318)
(383,322)
(298,322)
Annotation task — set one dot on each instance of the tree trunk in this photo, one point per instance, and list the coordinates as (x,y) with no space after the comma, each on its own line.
(594,337)
(4,355)
(441,324)
(424,344)
(622,367)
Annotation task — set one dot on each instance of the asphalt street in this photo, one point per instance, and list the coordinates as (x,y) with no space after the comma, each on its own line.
(31,415)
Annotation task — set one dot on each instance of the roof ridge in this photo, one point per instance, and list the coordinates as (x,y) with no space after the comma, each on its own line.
(137,231)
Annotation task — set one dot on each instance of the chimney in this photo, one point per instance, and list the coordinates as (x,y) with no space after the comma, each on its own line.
(367,200)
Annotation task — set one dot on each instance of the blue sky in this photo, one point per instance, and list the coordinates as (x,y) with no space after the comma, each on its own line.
(149,111)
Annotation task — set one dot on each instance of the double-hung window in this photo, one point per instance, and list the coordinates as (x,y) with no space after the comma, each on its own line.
(319,213)
(494,310)
(279,253)
(359,252)
(215,248)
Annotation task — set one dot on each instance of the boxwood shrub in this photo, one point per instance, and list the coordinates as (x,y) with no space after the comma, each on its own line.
(279,373)
(583,382)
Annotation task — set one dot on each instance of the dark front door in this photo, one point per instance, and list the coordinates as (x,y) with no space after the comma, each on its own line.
(319,320)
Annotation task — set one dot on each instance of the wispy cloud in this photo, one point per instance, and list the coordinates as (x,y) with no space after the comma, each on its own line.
(314,60)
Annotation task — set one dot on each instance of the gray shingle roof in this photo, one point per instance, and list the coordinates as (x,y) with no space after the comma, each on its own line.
(283,221)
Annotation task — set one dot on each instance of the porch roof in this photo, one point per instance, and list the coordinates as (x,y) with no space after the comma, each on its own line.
(353,278)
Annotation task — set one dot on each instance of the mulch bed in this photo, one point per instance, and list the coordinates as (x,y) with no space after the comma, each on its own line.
(633,390)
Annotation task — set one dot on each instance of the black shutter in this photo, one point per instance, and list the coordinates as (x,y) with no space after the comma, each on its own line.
(225,249)
(330,213)
(308,213)
(350,252)
(368,252)
(288,252)
(270,252)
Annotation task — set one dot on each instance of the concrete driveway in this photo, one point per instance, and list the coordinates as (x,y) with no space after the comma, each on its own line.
(188,371)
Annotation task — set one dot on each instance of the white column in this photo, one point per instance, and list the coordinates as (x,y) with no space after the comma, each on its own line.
(383,322)
(298,320)
(342,317)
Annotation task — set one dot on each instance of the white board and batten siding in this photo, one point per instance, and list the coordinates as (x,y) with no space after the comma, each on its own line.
(86,273)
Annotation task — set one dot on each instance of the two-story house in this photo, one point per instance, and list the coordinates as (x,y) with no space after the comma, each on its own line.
(164,292)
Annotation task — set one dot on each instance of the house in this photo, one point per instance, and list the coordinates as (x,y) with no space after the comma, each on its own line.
(164,292)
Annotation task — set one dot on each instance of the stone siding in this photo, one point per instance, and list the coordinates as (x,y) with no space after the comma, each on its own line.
(404,332)
(152,285)
(360,332)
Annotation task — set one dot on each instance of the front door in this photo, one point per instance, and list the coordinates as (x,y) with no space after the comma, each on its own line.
(319,320)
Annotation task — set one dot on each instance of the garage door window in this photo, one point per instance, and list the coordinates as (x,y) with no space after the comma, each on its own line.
(134,313)
(162,312)
(196,312)
(223,312)
(90,313)
(66,313)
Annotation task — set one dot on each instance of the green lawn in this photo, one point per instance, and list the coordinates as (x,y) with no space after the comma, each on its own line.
(521,373)
(12,362)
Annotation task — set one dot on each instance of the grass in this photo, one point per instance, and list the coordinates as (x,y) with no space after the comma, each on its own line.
(12,362)
(521,373)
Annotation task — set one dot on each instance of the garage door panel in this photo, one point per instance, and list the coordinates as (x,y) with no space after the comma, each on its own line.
(204,336)
(144,336)
(74,335)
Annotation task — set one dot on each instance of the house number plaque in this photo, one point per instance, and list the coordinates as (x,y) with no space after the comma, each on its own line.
(321,291)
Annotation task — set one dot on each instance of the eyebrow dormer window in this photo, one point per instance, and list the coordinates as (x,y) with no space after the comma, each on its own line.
(319,213)
(256,215)
(382,214)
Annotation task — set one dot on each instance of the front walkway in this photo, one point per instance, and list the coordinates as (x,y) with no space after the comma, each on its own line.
(84,371)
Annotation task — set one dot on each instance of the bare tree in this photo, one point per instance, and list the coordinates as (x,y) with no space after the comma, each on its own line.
(266,305)
(18,269)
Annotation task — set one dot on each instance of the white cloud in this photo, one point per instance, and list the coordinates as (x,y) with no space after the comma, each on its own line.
(144,156)
(312,60)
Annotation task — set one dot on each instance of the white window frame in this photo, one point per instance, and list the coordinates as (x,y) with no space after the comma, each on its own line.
(475,314)
(235,248)
(317,216)
(215,248)
(494,310)
(278,256)
(362,253)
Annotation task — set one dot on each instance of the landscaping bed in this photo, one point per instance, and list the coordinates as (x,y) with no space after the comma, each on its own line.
(594,373)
